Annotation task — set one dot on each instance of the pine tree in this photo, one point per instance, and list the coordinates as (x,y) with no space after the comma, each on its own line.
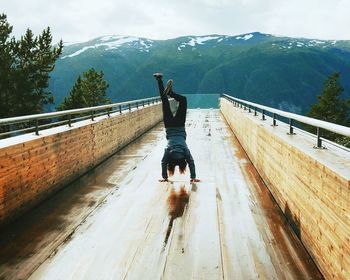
(25,65)
(75,99)
(94,88)
(5,66)
(331,107)
(87,92)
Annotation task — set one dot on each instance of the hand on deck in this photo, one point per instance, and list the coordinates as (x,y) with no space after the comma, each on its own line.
(163,180)
(195,180)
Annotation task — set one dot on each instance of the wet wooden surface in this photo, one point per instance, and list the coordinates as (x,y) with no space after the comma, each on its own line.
(119,222)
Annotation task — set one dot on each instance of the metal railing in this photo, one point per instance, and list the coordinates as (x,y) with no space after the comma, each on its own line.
(318,124)
(34,123)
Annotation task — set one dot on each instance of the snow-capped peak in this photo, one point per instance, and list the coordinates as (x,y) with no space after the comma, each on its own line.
(113,42)
(199,40)
(245,37)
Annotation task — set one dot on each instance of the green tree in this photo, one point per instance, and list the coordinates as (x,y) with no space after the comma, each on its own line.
(94,88)
(5,66)
(75,99)
(25,65)
(332,108)
(87,92)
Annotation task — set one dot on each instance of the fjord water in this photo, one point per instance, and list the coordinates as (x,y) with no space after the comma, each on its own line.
(204,101)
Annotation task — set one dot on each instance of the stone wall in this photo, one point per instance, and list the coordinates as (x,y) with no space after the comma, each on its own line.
(311,186)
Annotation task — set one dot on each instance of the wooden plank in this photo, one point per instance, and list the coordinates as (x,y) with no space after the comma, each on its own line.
(313,183)
(225,227)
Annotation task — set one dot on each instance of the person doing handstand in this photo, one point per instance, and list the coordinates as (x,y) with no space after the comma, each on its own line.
(176,153)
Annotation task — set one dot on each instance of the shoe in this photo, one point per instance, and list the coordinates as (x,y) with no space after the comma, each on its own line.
(169,87)
(158,75)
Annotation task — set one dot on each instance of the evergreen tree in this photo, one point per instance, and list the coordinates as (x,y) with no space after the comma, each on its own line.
(25,66)
(87,92)
(5,66)
(94,88)
(331,107)
(75,99)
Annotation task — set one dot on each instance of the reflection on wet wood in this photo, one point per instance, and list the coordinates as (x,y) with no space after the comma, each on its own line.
(225,227)
(311,186)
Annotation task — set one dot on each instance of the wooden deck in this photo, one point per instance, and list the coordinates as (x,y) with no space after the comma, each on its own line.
(119,222)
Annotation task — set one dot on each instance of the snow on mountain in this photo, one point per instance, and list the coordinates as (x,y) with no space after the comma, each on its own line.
(78,52)
(130,43)
(116,42)
(245,37)
(290,43)
(113,42)
(200,40)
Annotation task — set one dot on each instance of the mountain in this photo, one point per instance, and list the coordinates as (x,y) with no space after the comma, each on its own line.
(282,72)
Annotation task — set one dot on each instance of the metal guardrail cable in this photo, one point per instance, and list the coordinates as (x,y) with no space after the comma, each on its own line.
(91,112)
(67,112)
(318,124)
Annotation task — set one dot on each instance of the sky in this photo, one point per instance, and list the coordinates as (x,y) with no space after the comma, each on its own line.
(82,20)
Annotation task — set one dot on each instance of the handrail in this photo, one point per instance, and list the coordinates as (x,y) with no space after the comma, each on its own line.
(339,129)
(70,113)
(12,120)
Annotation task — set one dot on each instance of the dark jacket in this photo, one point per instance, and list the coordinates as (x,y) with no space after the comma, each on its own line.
(176,137)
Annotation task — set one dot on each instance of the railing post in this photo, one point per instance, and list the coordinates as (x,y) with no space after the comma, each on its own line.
(92,115)
(120,109)
(108,112)
(36,127)
(263,115)
(249,110)
(291,130)
(129,107)
(319,140)
(70,120)
(137,104)
(148,102)
(274,119)
(255,113)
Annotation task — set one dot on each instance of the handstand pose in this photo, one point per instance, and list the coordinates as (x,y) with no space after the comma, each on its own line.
(176,152)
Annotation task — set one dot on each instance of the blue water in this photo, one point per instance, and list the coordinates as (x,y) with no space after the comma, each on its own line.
(203,101)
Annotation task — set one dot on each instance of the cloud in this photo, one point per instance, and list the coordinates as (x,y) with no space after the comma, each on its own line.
(82,20)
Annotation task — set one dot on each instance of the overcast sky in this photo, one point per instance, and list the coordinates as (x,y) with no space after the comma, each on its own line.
(81,20)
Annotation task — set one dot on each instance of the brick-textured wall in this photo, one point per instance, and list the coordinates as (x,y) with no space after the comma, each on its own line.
(32,167)
(312,186)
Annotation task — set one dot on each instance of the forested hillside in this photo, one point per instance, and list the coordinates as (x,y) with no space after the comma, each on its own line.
(286,73)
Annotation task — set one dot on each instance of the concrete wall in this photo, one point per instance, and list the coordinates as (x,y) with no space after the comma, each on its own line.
(312,186)
(33,167)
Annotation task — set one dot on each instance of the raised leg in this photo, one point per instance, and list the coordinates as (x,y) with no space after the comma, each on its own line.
(167,114)
(180,116)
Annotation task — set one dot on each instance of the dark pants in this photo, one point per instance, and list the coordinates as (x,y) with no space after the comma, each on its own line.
(170,120)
